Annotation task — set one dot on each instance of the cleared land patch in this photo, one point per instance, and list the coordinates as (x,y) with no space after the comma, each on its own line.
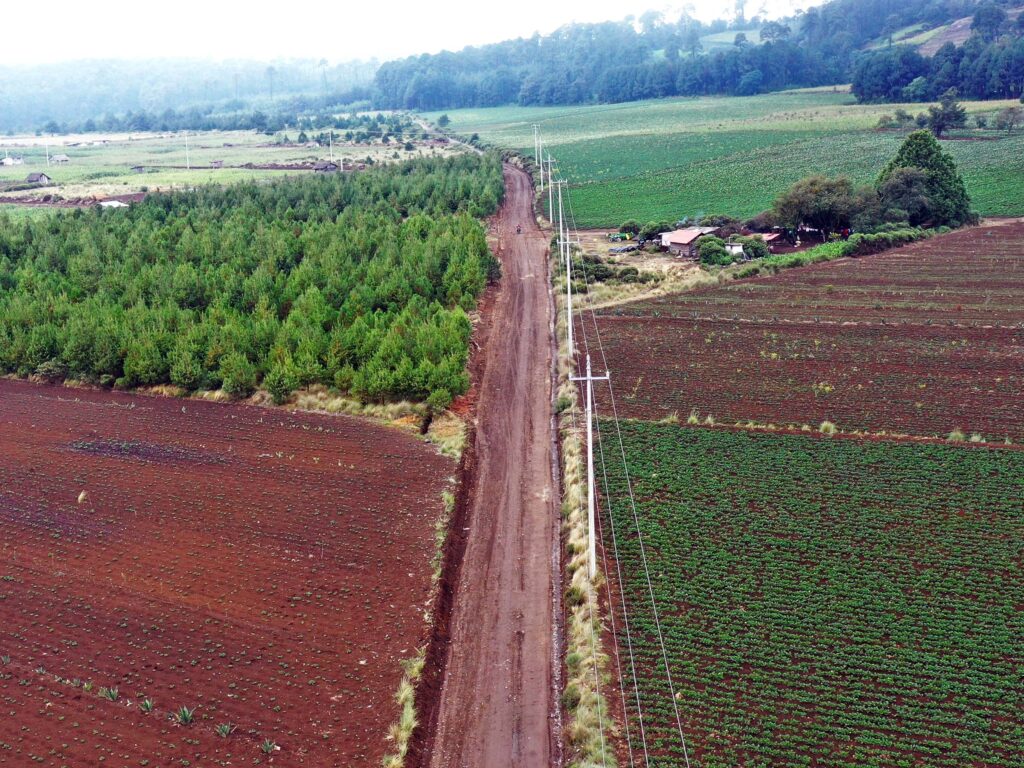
(921,340)
(825,601)
(268,569)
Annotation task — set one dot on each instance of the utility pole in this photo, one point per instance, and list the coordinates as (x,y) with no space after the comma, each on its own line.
(591,506)
(565,253)
(551,190)
(540,150)
(331,140)
(47,154)
(188,161)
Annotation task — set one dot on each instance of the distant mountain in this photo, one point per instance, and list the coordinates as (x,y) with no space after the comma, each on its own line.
(79,91)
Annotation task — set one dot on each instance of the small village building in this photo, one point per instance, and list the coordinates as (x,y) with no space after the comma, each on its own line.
(325,166)
(772,239)
(38,178)
(138,169)
(9,161)
(113,204)
(734,249)
(60,159)
(683,242)
(216,163)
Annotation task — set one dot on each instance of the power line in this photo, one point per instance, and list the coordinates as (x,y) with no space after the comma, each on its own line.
(636,517)
(611,606)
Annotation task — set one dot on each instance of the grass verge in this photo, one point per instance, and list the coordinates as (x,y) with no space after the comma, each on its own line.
(591,728)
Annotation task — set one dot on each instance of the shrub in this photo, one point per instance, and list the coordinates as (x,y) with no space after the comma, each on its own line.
(238,376)
(280,382)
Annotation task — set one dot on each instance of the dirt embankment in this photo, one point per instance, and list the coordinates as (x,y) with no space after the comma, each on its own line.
(490,694)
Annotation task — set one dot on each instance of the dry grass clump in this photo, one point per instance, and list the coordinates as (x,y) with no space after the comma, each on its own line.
(827,428)
(448,432)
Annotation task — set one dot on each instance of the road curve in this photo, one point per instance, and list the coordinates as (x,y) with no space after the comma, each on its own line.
(499,698)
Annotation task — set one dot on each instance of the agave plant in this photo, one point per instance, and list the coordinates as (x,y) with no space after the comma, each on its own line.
(110,694)
(146,705)
(184,715)
(225,729)
(268,746)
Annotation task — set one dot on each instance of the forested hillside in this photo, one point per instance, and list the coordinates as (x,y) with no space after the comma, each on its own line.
(72,93)
(360,281)
(620,61)
(989,65)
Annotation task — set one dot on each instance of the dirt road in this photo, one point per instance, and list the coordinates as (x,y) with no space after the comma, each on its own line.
(499,698)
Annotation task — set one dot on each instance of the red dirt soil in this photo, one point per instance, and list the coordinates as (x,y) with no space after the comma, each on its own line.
(920,340)
(499,694)
(269,568)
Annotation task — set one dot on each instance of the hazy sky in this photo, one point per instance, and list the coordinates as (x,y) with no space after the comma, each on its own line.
(338,31)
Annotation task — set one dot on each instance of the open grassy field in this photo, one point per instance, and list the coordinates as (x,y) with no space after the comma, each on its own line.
(824,602)
(683,157)
(100,165)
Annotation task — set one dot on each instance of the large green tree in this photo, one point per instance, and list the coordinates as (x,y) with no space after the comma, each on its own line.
(818,202)
(948,202)
(946,114)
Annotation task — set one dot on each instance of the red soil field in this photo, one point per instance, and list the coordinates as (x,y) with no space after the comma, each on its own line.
(269,568)
(919,341)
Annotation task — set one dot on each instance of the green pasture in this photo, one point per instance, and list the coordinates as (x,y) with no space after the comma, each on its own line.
(671,158)
(104,169)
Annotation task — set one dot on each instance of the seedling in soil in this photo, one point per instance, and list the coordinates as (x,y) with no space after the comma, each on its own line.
(225,729)
(87,686)
(5,659)
(268,746)
(184,715)
(110,694)
(146,705)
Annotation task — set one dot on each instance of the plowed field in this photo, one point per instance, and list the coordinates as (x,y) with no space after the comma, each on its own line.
(921,340)
(268,569)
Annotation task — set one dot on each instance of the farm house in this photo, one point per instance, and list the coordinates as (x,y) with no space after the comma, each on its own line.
(683,242)
(60,159)
(38,178)
(325,166)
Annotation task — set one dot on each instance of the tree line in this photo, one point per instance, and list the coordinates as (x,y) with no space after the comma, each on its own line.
(655,57)
(358,281)
(989,65)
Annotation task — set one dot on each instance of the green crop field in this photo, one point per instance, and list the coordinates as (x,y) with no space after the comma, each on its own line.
(672,158)
(827,602)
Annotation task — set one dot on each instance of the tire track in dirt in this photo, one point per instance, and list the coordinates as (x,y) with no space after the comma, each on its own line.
(496,698)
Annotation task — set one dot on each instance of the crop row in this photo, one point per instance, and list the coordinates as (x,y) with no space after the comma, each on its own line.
(227,558)
(970,277)
(826,602)
(923,340)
